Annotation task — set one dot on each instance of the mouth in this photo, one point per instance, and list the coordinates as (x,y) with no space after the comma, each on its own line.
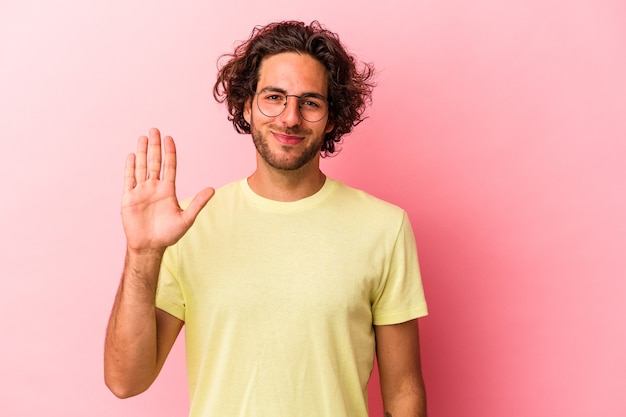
(287,139)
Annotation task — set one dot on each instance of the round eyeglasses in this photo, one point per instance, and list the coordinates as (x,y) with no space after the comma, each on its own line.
(312,107)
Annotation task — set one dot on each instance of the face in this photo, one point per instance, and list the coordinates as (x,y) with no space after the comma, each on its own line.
(287,141)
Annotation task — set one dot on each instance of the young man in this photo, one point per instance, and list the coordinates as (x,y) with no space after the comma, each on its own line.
(287,282)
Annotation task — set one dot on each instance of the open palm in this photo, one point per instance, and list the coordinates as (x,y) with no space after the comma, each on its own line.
(151,214)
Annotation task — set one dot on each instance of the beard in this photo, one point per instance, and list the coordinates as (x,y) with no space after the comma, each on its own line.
(290,159)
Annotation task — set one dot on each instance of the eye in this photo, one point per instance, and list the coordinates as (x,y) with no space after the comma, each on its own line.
(274,97)
(311,102)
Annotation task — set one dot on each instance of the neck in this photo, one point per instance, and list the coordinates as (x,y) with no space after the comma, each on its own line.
(282,185)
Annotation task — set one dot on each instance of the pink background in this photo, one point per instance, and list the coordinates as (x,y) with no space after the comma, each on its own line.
(500,126)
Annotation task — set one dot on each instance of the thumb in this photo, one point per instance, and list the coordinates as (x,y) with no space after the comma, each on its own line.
(197,203)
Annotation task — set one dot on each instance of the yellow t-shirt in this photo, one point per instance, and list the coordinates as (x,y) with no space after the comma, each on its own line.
(279,299)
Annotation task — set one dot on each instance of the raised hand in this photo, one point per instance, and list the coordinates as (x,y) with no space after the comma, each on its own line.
(151,214)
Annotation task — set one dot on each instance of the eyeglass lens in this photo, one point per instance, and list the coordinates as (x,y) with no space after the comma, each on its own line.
(312,107)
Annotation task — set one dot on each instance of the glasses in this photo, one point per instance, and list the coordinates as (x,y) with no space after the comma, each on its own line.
(312,107)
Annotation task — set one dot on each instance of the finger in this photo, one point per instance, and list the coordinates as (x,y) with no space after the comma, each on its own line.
(169,163)
(154,154)
(129,173)
(197,203)
(140,159)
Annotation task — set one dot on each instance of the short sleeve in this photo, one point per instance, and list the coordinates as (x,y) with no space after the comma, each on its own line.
(401,296)
(169,295)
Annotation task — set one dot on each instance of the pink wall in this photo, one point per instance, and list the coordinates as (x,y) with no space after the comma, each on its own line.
(499,126)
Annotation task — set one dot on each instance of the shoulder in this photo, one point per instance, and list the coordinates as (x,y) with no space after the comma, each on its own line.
(358,207)
(365,201)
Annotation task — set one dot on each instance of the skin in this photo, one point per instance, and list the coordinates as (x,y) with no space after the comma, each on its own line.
(139,335)
(400,369)
(288,146)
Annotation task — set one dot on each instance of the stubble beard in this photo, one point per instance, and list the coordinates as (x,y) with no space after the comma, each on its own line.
(287,161)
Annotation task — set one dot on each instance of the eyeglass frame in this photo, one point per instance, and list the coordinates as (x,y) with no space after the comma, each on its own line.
(283,92)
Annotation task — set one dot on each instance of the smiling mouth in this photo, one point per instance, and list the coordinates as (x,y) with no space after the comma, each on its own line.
(288,139)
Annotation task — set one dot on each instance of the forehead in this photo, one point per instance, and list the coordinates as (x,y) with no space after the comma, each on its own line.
(293,72)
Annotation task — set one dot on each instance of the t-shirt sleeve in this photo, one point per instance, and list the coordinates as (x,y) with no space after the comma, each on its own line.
(400,297)
(169,296)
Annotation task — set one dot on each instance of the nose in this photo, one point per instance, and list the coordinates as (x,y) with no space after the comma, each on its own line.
(291,115)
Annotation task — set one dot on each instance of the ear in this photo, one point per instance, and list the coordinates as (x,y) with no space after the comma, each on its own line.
(247,111)
(330,125)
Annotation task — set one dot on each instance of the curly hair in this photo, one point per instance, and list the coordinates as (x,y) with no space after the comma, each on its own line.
(350,83)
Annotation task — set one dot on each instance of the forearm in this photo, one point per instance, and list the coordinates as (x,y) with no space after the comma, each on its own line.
(409,404)
(130,359)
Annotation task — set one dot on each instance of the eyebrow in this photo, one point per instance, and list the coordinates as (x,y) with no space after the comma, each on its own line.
(283,91)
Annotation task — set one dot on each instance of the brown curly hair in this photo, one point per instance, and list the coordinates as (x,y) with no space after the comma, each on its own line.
(350,83)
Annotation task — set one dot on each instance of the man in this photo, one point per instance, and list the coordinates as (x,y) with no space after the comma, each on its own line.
(287,282)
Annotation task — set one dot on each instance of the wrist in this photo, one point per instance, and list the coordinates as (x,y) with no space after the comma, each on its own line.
(145,253)
(141,267)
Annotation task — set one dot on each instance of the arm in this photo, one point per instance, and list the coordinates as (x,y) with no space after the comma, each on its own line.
(399,365)
(139,336)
